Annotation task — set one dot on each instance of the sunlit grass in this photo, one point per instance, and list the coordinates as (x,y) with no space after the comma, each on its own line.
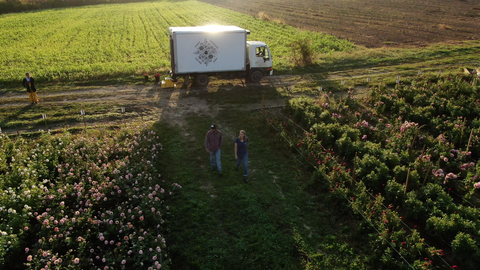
(121,40)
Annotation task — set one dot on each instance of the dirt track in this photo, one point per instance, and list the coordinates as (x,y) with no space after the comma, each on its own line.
(142,103)
(373,23)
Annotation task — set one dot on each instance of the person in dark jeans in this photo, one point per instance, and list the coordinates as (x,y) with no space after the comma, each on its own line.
(241,152)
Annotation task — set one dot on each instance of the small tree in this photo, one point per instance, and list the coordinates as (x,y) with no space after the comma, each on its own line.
(302,52)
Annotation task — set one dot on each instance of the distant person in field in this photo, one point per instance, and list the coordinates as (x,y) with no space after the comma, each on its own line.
(241,152)
(29,83)
(213,145)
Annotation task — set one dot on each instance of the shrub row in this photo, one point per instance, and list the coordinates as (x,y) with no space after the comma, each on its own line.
(404,159)
(93,201)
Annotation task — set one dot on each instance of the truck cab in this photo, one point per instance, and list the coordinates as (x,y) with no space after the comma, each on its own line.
(259,61)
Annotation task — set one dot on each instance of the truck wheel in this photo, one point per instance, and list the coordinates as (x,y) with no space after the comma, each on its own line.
(256,76)
(201,79)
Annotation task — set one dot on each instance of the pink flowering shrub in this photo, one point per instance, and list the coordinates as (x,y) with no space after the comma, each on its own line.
(96,201)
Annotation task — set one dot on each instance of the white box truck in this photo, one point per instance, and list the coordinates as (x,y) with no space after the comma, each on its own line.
(203,51)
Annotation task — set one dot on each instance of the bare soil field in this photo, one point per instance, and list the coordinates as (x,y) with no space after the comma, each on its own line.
(372,23)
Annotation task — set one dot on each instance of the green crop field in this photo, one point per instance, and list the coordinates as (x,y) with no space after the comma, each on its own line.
(123,39)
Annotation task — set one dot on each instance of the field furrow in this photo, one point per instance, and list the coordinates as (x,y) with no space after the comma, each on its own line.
(372,23)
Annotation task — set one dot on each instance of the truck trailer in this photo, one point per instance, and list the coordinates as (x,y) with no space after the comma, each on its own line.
(199,52)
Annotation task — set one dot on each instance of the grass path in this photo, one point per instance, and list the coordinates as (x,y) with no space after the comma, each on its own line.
(221,222)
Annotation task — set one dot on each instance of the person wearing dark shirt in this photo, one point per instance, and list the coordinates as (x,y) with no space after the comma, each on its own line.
(241,152)
(29,83)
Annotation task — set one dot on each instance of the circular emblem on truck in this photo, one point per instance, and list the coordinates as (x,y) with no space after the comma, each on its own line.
(206,52)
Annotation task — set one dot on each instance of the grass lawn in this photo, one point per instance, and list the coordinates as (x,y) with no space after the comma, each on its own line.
(222,222)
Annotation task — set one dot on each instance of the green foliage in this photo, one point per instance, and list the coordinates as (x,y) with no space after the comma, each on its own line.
(466,249)
(448,225)
(302,52)
(306,48)
(371,148)
(415,208)
(395,192)
(346,147)
(402,173)
(426,134)
(372,171)
(305,111)
(390,157)
(9,6)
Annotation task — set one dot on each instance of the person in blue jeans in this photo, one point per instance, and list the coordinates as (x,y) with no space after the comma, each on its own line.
(213,145)
(241,152)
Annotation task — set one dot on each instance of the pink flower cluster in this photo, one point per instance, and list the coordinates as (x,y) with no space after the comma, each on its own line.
(364,124)
(466,166)
(438,173)
(406,125)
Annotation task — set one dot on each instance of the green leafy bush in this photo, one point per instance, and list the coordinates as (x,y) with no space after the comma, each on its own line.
(372,171)
(466,249)
(429,134)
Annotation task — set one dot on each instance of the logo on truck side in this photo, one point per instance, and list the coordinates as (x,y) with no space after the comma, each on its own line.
(206,52)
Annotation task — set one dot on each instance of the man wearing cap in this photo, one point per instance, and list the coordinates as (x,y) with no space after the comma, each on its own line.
(213,145)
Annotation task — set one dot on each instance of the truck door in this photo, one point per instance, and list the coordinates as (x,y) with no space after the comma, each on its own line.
(262,58)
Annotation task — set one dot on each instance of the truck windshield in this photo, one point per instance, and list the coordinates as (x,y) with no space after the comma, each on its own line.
(261,52)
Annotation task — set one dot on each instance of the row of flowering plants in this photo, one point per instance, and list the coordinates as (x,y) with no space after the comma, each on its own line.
(405,160)
(87,201)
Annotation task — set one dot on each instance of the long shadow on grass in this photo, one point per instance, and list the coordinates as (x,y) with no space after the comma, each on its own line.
(222,222)
(14,116)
